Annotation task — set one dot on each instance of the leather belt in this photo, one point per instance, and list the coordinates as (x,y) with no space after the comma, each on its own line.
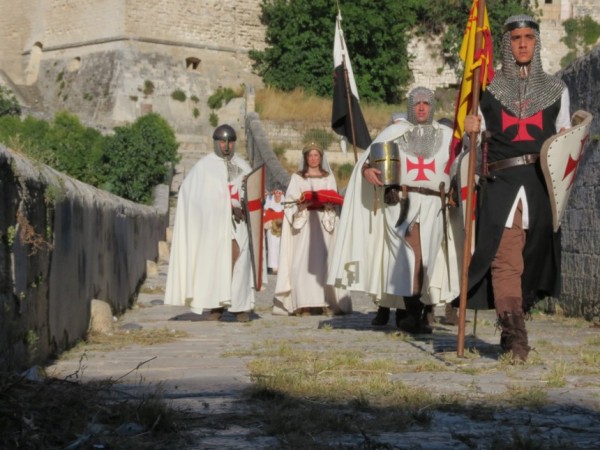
(422,190)
(530,158)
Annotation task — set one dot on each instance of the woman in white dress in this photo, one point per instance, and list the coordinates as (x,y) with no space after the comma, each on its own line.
(308,232)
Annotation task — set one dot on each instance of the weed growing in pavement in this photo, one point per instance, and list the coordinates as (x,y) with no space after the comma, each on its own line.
(556,377)
(595,340)
(526,397)
(590,360)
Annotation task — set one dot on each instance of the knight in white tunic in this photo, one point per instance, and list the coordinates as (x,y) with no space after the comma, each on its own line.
(273,220)
(210,266)
(394,241)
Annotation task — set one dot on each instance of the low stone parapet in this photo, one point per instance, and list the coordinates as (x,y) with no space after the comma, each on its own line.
(63,244)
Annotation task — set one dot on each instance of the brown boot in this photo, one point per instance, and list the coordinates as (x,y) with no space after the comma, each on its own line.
(450,315)
(216,313)
(242,316)
(382,317)
(513,338)
(520,348)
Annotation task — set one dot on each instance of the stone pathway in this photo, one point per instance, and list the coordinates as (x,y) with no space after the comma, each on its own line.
(202,373)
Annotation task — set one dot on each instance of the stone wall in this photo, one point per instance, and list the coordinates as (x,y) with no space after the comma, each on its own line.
(54,25)
(32,29)
(62,244)
(580,230)
(427,66)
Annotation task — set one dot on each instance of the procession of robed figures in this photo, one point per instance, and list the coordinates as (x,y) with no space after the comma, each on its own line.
(466,216)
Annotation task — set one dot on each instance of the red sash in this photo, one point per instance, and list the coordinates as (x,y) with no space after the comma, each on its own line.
(271,214)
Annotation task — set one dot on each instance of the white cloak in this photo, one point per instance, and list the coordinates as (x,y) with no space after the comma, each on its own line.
(306,239)
(273,240)
(370,253)
(200,267)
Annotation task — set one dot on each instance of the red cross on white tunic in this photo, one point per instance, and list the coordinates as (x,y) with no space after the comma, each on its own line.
(420,167)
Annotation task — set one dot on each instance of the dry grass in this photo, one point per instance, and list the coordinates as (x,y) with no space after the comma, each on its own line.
(300,106)
(123,338)
(61,414)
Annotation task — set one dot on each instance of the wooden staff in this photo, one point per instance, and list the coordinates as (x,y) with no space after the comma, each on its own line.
(464,280)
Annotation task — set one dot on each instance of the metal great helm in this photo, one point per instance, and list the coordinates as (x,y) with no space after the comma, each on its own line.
(227,134)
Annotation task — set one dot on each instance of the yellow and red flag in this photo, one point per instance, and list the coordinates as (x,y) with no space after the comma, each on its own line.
(473,58)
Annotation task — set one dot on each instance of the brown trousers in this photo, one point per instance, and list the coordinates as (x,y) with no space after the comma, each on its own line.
(413,238)
(507,268)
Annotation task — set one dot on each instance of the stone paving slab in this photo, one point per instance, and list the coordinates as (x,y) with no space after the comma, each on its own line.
(203,373)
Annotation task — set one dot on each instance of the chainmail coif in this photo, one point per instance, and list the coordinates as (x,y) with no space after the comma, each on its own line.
(524,96)
(423,139)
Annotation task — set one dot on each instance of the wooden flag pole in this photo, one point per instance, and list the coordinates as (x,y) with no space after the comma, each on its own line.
(464,281)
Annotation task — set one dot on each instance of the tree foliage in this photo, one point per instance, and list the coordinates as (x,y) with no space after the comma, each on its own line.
(581,34)
(129,163)
(300,37)
(138,157)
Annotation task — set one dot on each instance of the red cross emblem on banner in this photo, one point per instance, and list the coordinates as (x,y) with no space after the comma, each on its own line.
(420,167)
(522,133)
(573,163)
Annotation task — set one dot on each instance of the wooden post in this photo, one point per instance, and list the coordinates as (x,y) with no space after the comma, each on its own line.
(464,279)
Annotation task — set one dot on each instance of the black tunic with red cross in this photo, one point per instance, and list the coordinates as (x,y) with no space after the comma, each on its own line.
(511,137)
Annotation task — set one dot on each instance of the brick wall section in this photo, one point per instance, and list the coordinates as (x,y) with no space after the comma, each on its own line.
(580,230)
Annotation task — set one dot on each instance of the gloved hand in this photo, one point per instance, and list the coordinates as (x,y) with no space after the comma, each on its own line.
(238,214)
(391,196)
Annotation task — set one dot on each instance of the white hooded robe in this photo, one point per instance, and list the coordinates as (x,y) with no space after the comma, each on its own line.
(200,267)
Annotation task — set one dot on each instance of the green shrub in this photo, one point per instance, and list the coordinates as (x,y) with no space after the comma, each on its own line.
(344,171)
(196,112)
(76,149)
(213,119)
(221,96)
(137,157)
(194,98)
(178,95)
(8,103)
(581,34)
(129,163)
(279,150)
(148,88)
(321,137)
